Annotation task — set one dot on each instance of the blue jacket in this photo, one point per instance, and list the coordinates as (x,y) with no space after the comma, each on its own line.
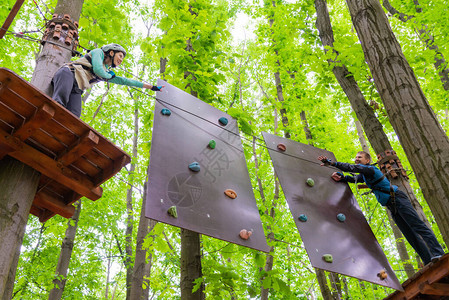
(369,175)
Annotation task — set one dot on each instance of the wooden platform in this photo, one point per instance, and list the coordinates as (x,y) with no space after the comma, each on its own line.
(72,157)
(431,282)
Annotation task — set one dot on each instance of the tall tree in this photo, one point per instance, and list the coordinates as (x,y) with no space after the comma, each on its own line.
(18,202)
(65,256)
(422,137)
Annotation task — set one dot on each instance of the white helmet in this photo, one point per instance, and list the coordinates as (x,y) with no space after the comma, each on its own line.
(114,47)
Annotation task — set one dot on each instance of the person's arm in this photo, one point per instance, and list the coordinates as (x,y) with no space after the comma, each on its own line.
(131,82)
(362,169)
(97,56)
(338,176)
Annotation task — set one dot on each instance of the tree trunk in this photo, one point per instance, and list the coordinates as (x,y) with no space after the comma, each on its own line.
(18,183)
(142,268)
(65,255)
(129,207)
(322,281)
(371,125)
(361,136)
(429,41)
(422,137)
(190,265)
(52,56)
(17,203)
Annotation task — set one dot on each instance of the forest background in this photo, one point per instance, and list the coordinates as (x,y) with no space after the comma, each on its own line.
(276,78)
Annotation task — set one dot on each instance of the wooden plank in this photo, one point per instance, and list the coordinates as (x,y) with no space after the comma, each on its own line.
(53,204)
(60,133)
(439,289)
(87,166)
(97,158)
(45,143)
(430,274)
(10,117)
(112,170)
(17,103)
(71,123)
(47,166)
(42,116)
(86,143)
(70,199)
(36,211)
(12,14)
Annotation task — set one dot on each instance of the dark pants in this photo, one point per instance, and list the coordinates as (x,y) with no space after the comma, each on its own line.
(420,237)
(66,91)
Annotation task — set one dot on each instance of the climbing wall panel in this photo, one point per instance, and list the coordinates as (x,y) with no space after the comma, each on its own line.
(335,233)
(196,156)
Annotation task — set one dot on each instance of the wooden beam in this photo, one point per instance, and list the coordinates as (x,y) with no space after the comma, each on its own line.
(42,116)
(112,169)
(5,149)
(439,289)
(70,199)
(12,14)
(50,168)
(85,144)
(53,204)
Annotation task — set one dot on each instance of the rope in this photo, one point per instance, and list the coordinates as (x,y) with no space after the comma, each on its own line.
(43,16)
(21,35)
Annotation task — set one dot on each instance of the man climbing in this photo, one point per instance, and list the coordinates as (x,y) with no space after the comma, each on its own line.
(420,237)
(73,78)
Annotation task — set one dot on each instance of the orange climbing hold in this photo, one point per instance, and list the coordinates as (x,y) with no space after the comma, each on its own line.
(245,234)
(230,193)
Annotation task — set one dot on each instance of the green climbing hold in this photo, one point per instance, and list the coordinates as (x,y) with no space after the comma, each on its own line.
(223,121)
(195,167)
(341,217)
(328,258)
(310,182)
(302,218)
(165,112)
(212,144)
(172,212)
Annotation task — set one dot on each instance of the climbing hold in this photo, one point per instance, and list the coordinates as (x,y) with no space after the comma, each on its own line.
(223,121)
(328,258)
(341,217)
(172,212)
(310,182)
(382,275)
(195,167)
(230,193)
(302,218)
(212,144)
(165,112)
(245,234)
(281,147)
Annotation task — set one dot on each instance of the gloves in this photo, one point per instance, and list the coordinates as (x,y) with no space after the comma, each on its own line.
(112,74)
(156,88)
(326,161)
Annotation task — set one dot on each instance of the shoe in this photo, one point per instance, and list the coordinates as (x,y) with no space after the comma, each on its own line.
(435,258)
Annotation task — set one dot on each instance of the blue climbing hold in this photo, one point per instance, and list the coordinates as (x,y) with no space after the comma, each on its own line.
(195,167)
(302,217)
(165,112)
(341,217)
(223,121)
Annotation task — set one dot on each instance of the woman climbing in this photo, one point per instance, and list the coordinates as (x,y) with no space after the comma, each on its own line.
(73,78)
